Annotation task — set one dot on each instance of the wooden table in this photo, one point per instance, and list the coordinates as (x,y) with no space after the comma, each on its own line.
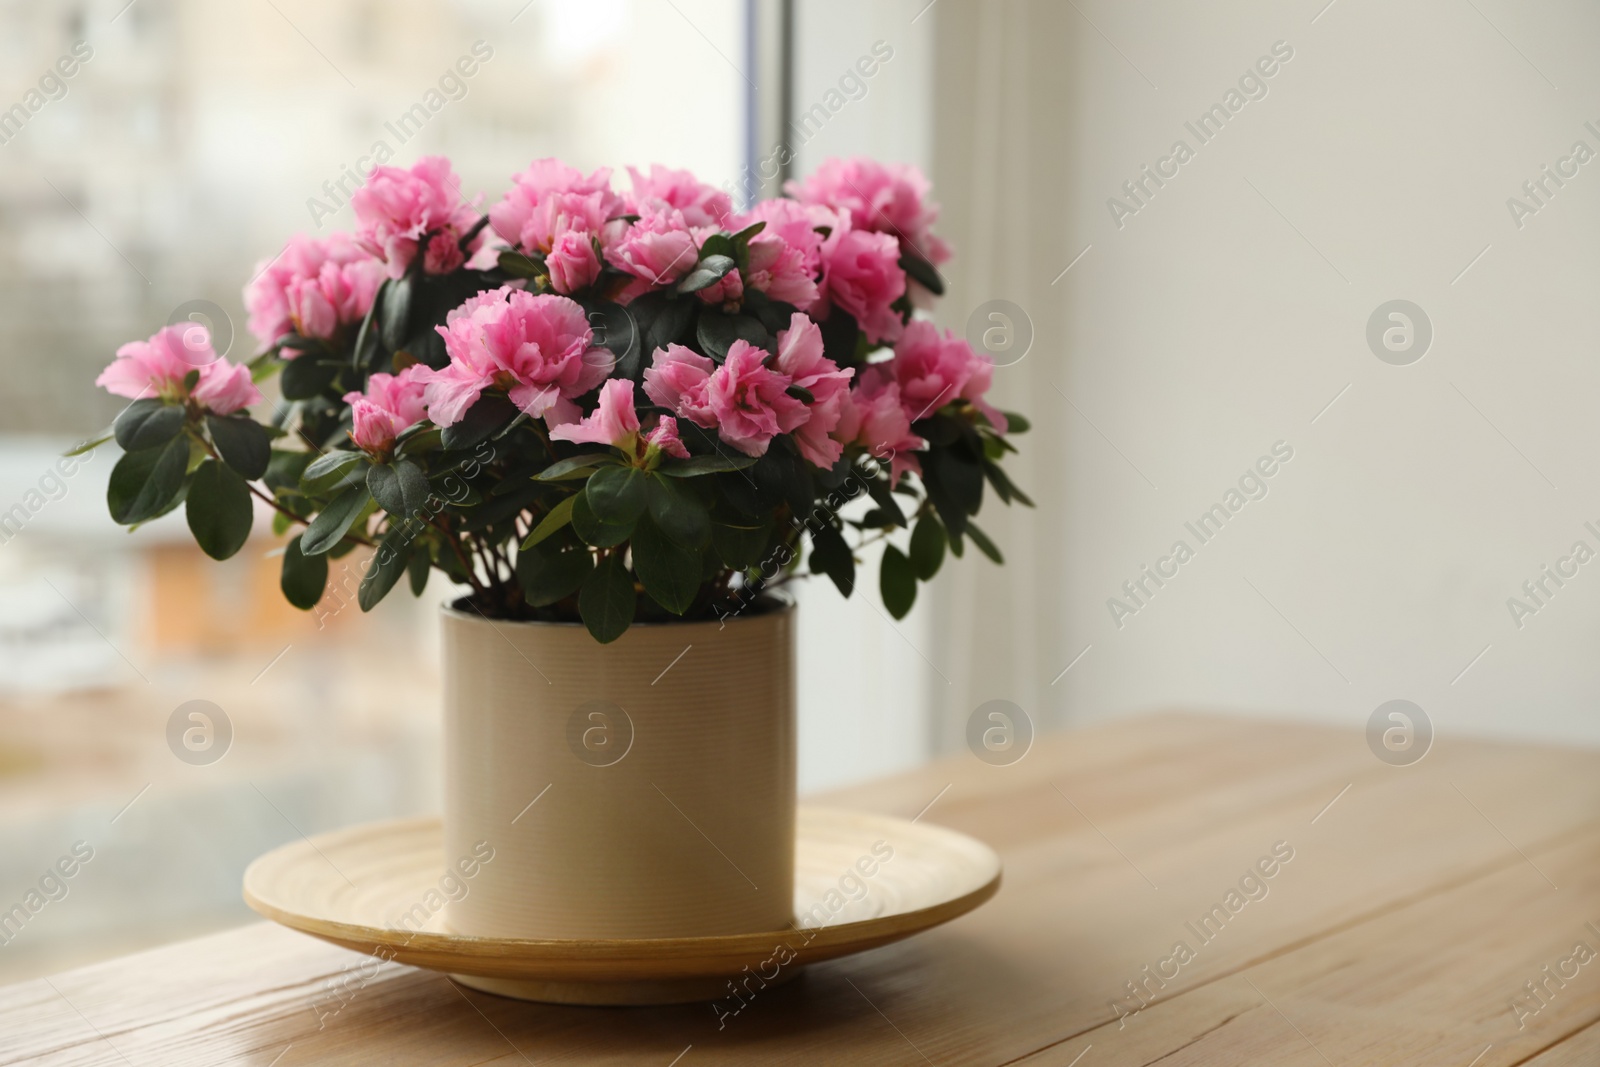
(1405,912)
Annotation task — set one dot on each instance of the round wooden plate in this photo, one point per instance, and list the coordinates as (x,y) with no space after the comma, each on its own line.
(357,888)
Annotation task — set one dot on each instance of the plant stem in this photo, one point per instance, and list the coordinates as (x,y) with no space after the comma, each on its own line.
(466,565)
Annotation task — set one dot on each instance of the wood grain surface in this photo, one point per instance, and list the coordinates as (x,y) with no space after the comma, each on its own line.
(1443,913)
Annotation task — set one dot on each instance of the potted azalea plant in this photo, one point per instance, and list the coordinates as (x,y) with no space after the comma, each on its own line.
(618,420)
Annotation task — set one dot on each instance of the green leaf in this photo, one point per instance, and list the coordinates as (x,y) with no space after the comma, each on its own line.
(740,547)
(296,343)
(520,264)
(242,442)
(219,510)
(575,467)
(831,556)
(616,494)
(306,377)
(920,270)
(986,546)
(87,446)
(679,513)
(588,526)
(333,471)
(144,484)
(284,470)
(264,366)
(840,336)
(696,465)
(707,272)
(344,548)
(669,572)
(558,517)
(782,475)
(717,332)
(400,488)
(897,581)
(522,417)
(147,423)
(741,244)
(303,578)
(615,330)
(963,478)
(385,567)
(366,346)
(1016,423)
(941,430)
(661,321)
(717,244)
(946,478)
(1003,485)
(488,415)
(419,567)
(775,315)
(546,579)
(740,493)
(418,437)
(394,317)
(607,600)
(331,524)
(883,496)
(927,547)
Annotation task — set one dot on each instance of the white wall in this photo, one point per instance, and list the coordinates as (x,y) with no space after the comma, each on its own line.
(866,681)
(1232,308)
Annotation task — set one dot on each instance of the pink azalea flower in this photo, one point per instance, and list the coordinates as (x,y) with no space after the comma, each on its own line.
(934,369)
(398,209)
(800,357)
(522,218)
(778,269)
(391,403)
(728,289)
(742,399)
(663,187)
(444,253)
(572,262)
(665,438)
(887,198)
(159,366)
(676,379)
(313,288)
(786,256)
(560,213)
(658,249)
(614,422)
(861,273)
(874,416)
(538,348)
(750,402)
(224,388)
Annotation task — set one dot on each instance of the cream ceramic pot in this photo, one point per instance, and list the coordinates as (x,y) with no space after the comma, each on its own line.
(640,789)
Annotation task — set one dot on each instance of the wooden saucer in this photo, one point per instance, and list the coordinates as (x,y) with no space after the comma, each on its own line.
(352,886)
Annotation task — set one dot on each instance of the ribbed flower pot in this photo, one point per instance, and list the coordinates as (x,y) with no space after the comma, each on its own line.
(639,789)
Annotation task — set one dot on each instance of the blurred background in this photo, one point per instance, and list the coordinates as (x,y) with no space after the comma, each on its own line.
(1170,320)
